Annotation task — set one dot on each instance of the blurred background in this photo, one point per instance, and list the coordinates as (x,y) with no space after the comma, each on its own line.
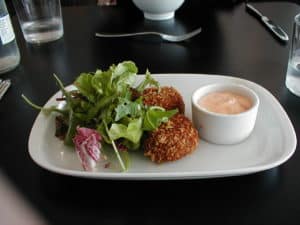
(207,3)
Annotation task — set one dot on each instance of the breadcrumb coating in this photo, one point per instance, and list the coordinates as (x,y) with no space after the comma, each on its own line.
(172,140)
(167,97)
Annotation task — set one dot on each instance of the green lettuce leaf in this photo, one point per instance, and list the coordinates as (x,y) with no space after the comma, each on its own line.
(127,107)
(146,82)
(98,82)
(85,87)
(155,116)
(133,132)
(123,69)
(124,76)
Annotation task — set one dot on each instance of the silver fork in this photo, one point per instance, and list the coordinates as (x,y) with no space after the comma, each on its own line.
(164,36)
(4,85)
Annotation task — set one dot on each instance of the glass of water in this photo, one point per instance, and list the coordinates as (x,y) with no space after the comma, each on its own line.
(292,81)
(40,20)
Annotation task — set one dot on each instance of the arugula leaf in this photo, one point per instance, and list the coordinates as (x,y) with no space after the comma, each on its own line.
(72,124)
(48,110)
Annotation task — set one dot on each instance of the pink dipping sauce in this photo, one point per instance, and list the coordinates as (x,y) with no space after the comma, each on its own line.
(225,102)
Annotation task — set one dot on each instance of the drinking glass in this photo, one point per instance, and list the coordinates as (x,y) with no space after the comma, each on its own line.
(40,20)
(292,81)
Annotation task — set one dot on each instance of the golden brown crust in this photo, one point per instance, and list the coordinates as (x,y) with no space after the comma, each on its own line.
(172,140)
(168,98)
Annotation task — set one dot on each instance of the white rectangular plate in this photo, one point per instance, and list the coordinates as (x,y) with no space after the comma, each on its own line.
(272,142)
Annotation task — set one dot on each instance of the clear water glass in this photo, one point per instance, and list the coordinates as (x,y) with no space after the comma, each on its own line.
(40,20)
(292,81)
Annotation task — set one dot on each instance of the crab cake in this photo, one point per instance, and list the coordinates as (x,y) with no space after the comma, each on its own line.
(166,97)
(172,140)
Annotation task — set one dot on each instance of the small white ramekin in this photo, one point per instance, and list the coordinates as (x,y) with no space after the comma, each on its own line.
(158,9)
(224,128)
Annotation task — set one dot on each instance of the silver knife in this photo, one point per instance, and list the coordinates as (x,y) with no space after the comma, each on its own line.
(4,85)
(277,30)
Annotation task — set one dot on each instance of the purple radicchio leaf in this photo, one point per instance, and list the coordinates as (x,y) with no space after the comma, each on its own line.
(88,145)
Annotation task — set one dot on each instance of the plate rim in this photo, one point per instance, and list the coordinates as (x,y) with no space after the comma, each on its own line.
(175,175)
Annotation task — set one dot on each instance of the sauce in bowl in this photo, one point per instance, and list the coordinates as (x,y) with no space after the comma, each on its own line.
(225,102)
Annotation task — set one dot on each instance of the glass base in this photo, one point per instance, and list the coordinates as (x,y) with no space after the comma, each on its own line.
(294,91)
(292,82)
(44,38)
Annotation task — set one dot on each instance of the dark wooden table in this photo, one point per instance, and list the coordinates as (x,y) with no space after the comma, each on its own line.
(232,43)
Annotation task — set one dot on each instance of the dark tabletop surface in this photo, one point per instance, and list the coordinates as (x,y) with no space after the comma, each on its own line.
(232,43)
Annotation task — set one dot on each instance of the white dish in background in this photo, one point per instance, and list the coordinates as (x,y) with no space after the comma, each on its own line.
(158,9)
(272,142)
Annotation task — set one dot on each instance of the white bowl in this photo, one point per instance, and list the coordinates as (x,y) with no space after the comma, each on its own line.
(158,9)
(220,128)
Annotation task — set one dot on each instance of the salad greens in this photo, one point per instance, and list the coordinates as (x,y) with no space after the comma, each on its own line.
(111,103)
